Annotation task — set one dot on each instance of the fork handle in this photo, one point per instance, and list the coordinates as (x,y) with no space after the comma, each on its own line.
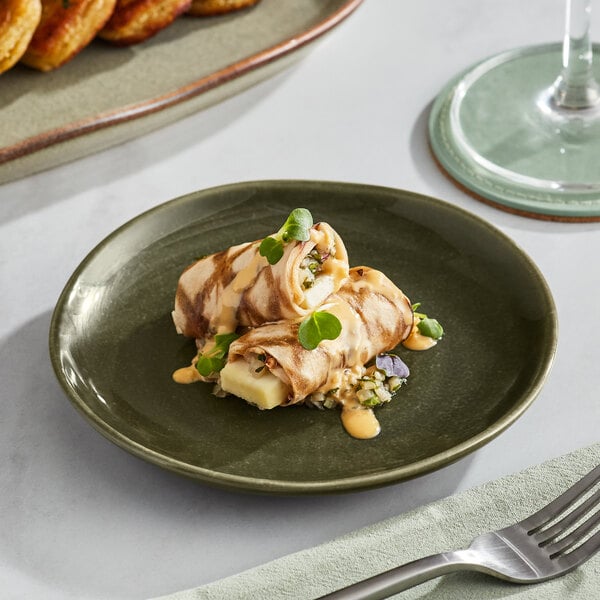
(403,577)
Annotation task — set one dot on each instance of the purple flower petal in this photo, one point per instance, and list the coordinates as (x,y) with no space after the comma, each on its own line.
(391,365)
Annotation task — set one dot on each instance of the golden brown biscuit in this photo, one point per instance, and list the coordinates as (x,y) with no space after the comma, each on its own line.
(134,21)
(204,8)
(18,21)
(66,27)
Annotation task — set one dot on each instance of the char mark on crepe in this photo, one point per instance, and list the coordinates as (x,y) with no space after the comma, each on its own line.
(196,309)
(197,326)
(377,327)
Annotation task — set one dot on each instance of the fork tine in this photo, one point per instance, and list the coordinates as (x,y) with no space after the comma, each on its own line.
(547,535)
(557,506)
(585,551)
(575,536)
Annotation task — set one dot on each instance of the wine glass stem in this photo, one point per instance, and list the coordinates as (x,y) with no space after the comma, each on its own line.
(576,87)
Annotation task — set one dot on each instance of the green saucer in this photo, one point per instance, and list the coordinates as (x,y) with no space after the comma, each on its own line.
(489,129)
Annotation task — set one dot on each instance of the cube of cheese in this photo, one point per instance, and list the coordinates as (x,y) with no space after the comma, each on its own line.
(266,391)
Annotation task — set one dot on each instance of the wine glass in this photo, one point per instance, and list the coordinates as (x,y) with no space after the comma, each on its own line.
(523,134)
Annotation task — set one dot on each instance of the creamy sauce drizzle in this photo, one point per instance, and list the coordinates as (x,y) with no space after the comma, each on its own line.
(186,375)
(360,423)
(417,341)
(355,343)
(226,319)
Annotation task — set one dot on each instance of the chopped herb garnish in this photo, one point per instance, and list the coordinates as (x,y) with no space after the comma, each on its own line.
(320,326)
(371,402)
(329,402)
(296,227)
(214,360)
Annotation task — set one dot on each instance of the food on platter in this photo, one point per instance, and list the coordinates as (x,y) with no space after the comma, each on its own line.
(46,34)
(242,287)
(205,8)
(18,21)
(336,351)
(65,28)
(134,21)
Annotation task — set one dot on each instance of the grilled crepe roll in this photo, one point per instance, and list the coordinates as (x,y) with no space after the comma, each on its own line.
(238,286)
(134,21)
(205,8)
(268,366)
(65,29)
(18,21)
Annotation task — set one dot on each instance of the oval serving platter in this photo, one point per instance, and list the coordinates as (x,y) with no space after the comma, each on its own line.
(107,95)
(114,347)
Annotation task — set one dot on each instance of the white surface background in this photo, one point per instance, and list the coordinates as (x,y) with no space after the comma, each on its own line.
(80,518)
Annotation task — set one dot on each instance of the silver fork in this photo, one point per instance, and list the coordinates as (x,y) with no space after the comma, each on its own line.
(540,547)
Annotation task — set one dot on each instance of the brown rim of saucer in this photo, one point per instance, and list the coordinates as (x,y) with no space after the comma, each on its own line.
(509,209)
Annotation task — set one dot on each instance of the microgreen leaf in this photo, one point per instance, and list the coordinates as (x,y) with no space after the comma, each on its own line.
(271,249)
(214,360)
(427,326)
(320,326)
(224,340)
(420,315)
(209,364)
(430,328)
(296,227)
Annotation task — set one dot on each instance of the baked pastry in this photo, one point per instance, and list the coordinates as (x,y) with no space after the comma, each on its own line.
(66,27)
(18,21)
(205,8)
(134,21)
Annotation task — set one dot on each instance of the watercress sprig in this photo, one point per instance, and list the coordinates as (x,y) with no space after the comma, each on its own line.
(296,227)
(321,325)
(214,360)
(427,326)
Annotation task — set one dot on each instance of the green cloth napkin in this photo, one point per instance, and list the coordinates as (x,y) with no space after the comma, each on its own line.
(447,524)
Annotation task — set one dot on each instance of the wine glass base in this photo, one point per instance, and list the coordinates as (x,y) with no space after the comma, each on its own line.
(493,130)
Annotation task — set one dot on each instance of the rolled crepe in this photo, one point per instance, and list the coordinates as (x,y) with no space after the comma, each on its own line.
(238,287)
(375,315)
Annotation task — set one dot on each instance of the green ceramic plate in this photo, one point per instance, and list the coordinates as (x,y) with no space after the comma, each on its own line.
(113,345)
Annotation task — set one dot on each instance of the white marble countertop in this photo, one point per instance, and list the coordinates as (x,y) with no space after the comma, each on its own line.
(81,518)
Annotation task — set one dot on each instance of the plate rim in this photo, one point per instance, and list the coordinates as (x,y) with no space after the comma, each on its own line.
(290,486)
(197,87)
